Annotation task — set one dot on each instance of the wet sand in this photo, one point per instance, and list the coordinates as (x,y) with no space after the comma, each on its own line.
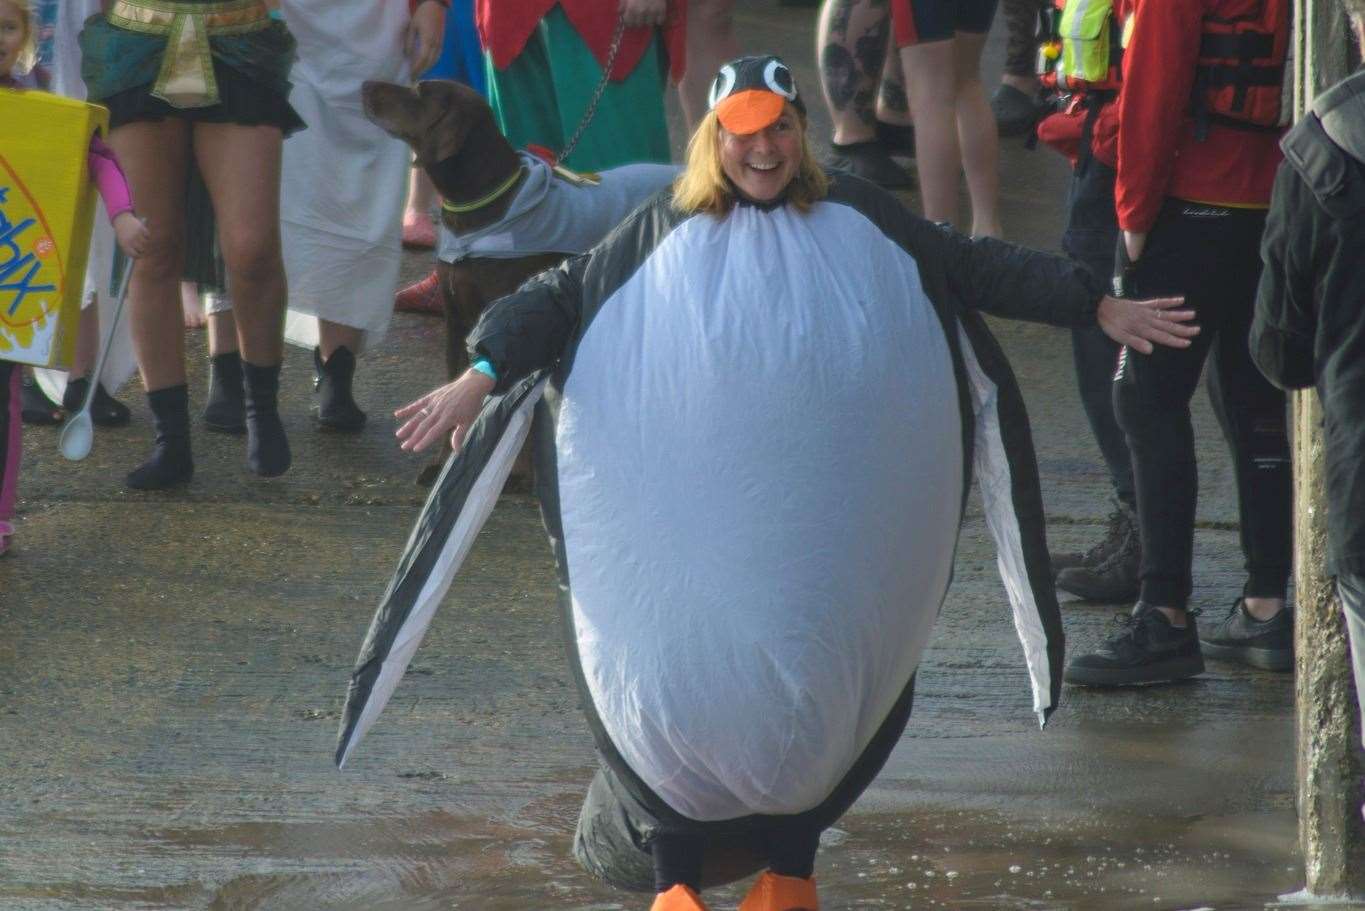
(172,667)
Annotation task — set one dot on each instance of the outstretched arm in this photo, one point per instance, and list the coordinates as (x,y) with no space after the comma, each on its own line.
(517,335)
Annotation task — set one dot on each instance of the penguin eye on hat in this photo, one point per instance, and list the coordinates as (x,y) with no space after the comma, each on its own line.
(723,83)
(778,78)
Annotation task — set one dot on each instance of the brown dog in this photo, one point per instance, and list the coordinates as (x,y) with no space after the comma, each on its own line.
(480,176)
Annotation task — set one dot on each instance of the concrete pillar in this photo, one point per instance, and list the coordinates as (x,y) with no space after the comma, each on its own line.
(1331,765)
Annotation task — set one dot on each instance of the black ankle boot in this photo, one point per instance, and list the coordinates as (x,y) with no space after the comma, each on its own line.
(105,410)
(267,448)
(170,462)
(225,410)
(337,409)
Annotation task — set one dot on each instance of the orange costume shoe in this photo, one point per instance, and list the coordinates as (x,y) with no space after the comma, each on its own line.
(421,297)
(679,898)
(781,893)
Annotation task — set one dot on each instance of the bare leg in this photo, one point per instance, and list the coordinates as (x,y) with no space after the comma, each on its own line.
(421,194)
(850,45)
(222,332)
(241,167)
(332,336)
(893,103)
(930,71)
(710,43)
(87,342)
(978,136)
(419,231)
(155,158)
(189,303)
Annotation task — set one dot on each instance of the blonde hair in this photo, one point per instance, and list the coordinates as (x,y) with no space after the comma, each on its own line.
(703,186)
(28,52)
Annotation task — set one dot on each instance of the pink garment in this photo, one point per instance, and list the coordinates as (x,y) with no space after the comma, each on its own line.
(11,446)
(109,179)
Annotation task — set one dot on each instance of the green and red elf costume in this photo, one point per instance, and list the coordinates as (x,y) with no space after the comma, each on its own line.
(545,59)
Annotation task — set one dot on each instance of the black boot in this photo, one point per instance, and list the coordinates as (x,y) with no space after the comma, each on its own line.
(1122,522)
(267,448)
(105,410)
(337,409)
(170,463)
(1114,579)
(225,410)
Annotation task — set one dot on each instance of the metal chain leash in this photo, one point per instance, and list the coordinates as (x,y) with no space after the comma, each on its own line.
(601,87)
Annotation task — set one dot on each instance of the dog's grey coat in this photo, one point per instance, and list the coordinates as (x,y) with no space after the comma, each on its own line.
(554,215)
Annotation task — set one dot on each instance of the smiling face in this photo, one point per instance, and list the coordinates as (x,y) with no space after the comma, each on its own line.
(761,164)
(13,35)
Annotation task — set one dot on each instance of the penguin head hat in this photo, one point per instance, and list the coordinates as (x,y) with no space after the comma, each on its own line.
(750,93)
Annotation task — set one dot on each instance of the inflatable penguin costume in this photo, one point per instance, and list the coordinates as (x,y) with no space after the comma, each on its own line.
(759,431)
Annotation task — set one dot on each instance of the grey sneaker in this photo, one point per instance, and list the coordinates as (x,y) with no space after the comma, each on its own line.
(1148,649)
(1120,524)
(1114,580)
(1267,644)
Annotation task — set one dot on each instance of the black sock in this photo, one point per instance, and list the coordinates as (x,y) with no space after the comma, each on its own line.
(170,462)
(225,410)
(677,860)
(267,447)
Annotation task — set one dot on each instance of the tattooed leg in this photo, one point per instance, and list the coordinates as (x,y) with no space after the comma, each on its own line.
(893,104)
(851,46)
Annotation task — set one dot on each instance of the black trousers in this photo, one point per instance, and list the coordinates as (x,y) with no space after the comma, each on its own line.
(1212,256)
(1092,230)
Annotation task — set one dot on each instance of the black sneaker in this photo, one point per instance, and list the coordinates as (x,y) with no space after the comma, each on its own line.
(871,161)
(1120,524)
(1267,644)
(1148,650)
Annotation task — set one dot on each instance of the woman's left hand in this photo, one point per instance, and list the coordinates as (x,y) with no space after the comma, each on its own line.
(422,44)
(447,409)
(132,234)
(1139,324)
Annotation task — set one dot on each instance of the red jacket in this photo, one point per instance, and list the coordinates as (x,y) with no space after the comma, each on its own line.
(506,25)
(1158,155)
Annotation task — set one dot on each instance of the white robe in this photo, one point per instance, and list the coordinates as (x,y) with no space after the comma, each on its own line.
(344,179)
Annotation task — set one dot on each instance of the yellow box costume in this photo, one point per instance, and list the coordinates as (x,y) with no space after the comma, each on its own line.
(47,207)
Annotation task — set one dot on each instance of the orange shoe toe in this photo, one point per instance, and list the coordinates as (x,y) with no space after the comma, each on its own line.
(781,893)
(678,898)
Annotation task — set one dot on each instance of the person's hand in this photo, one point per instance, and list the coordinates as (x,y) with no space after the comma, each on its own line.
(1138,324)
(422,43)
(1134,242)
(644,12)
(448,409)
(132,234)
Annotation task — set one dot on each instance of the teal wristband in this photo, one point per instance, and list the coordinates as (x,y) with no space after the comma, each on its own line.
(485,368)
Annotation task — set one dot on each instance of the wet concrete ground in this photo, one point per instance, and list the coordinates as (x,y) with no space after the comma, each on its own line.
(172,666)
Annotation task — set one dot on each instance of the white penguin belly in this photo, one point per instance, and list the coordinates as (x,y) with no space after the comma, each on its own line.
(760,479)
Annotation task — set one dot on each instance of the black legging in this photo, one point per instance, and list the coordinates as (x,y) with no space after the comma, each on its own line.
(1212,256)
(1091,233)
(678,858)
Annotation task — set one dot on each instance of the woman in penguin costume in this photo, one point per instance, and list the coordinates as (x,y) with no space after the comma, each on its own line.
(764,395)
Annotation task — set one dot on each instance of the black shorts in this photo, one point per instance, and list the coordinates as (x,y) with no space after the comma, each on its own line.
(923,21)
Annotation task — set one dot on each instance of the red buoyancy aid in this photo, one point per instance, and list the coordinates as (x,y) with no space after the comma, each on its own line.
(1240,76)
